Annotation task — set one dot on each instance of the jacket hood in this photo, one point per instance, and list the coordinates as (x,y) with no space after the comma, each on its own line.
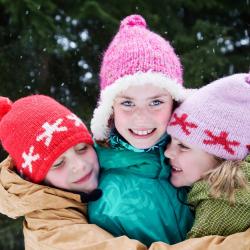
(20,197)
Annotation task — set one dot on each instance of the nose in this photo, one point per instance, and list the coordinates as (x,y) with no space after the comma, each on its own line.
(170,152)
(141,113)
(77,165)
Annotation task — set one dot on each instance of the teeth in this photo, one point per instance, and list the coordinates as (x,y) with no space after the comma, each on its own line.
(176,169)
(142,132)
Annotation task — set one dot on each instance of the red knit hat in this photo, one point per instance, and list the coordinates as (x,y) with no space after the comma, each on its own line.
(36,130)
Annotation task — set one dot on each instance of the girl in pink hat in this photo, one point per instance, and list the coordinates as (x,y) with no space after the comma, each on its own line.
(210,140)
(140,78)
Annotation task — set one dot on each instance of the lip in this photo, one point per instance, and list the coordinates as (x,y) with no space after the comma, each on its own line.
(84,178)
(175,170)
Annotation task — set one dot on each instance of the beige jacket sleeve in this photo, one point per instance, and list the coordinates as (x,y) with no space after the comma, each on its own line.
(53,218)
(238,241)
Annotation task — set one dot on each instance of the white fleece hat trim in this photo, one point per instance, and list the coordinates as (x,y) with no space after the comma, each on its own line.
(99,122)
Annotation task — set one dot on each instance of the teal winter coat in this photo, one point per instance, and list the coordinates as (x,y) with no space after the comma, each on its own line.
(138,200)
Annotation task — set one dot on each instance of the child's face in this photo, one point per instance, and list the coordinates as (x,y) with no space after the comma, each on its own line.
(188,164)
(141,114)
(76,169)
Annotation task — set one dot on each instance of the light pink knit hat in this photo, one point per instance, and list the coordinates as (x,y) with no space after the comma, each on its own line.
(216,118)
(136,56)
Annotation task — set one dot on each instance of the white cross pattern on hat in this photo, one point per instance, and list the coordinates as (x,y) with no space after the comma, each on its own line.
(75,118)
(28,158)
(49,130)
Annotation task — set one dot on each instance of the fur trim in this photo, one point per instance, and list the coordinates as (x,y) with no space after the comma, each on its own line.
(101,116)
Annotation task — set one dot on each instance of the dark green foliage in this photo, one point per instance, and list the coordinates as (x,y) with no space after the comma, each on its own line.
(211,37)
(11,234)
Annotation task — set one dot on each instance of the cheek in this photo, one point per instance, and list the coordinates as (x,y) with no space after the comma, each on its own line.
(120,119)
(187,162)
(57,178)
(195,167)
(93,160)
(167,113)
(162,118)
(163,115)
(96,166)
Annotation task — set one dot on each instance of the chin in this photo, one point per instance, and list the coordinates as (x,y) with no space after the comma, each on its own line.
(91,188)
(143,145)
(176,183)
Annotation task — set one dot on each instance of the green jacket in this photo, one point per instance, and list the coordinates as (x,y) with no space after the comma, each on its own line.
(216,216)
(138,200)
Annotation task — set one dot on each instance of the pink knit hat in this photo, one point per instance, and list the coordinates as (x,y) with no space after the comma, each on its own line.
(36,130)
(216,118)
(136,56)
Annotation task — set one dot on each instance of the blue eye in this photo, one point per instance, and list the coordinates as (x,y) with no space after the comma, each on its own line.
(156,103)
(127,103)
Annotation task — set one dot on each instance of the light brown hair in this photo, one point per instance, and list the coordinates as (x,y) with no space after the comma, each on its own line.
(225,179)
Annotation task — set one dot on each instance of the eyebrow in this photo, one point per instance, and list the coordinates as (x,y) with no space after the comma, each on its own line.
(149,98)
(158,96)
(125,97)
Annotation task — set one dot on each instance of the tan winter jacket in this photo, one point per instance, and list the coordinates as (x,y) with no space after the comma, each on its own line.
(55,219)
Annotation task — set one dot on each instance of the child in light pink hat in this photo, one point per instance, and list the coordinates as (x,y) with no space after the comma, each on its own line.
(210,140)
(140,78)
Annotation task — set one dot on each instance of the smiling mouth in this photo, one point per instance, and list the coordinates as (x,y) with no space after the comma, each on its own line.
(84,178)
(142,133)
(175,169)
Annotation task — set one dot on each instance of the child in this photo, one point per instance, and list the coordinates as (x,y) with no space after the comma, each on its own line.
(50,147)
(140,77)
(210,139)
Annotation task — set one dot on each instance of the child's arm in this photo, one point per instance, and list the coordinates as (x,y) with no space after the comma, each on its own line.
(239,241)
(54,219)
(72,233)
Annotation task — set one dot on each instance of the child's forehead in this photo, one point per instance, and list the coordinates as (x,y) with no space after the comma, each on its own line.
(145,91)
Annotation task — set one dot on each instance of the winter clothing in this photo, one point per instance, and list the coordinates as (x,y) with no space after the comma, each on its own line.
(239,241)
(36,130)
(136,56)
(138,200)
(217,216)
(134,49)
(216,118)
(56,220)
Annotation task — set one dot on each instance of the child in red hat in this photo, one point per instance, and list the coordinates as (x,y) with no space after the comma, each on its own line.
(51,153)
(49,143)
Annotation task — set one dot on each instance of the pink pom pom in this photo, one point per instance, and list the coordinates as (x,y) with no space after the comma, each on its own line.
(5,106)
(133,20)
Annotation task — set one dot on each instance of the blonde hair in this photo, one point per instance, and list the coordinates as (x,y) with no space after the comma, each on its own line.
(225,179)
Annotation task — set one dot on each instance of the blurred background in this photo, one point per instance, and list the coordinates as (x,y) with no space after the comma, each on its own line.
(54,47)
